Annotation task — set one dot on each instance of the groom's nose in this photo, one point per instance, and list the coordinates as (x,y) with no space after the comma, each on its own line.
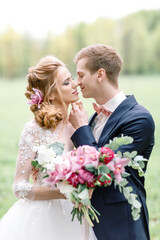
(78,81)
(75,84)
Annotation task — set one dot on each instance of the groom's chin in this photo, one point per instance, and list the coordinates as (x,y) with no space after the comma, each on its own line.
(84,95)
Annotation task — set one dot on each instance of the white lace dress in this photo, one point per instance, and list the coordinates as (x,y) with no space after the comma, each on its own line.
(30,219)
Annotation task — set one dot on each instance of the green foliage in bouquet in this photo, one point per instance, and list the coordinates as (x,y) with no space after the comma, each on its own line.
(137,163)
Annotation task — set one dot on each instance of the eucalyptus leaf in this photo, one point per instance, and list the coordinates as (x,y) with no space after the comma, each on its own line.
(133,154)
(75,194)
(127,191)
(135,215)
(105,177)
(114,146)
(140,172)
(126,154)
(103,169)
(124,182)
(135,165)
(120,188)
(125,174)
(142,164)
(139,158)
(58,147)
(119,154)
(81,188)
(84,194)
(71,197)
(90,168)
(132,199)
(119,141)
(137,204)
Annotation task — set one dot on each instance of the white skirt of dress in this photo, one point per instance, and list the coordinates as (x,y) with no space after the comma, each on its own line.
(39,220)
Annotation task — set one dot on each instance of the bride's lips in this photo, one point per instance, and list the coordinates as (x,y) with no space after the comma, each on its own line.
(75,92)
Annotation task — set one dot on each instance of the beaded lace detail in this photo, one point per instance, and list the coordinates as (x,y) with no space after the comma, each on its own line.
(22,187)
(32,135)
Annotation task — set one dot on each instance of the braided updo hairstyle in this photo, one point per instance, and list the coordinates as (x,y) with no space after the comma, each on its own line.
(43,77)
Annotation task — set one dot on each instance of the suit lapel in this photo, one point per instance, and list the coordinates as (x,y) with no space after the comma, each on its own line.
(122,109)
(91,121)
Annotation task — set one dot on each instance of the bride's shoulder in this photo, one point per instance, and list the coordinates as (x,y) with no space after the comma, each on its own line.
(30,127)
(30,124)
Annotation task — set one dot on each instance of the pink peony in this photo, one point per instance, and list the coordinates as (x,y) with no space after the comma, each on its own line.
(85,176)
(109,154)
(73,180)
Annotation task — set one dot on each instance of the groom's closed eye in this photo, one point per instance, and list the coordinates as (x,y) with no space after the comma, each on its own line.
(80,75)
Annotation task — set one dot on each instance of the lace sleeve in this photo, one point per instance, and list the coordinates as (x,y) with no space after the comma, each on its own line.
(22,188)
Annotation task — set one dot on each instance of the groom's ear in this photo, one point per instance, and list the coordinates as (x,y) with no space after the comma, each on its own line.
(101,74)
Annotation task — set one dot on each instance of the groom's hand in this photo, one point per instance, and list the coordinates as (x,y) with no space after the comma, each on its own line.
(78,116)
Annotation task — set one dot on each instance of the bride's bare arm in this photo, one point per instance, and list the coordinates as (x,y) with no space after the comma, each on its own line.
(46,193)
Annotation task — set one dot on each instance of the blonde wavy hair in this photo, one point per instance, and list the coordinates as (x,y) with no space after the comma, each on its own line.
(43,77)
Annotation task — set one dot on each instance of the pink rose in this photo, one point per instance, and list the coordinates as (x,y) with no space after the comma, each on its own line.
(36,98)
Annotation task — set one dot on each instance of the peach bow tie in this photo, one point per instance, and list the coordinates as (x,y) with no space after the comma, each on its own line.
(102,109)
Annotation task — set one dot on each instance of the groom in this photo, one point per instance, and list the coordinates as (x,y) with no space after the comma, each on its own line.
(98,68)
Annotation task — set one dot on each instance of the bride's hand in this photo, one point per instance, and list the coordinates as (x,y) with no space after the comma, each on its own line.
(90,193)
(78,116)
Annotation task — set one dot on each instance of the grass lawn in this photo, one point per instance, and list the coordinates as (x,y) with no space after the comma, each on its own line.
(15,112)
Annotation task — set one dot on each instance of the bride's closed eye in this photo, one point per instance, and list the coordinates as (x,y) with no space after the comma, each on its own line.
(67,81)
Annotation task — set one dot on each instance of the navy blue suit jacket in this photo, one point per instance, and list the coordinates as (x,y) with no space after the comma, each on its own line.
(116,223)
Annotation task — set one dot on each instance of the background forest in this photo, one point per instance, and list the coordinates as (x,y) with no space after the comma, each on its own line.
(136,37)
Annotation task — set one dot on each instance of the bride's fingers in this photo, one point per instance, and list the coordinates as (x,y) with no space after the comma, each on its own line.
(74,106)
(81,106)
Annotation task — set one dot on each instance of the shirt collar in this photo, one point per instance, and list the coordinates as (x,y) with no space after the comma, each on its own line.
(115,101)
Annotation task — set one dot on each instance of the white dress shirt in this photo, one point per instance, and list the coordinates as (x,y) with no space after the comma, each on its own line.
(101,119)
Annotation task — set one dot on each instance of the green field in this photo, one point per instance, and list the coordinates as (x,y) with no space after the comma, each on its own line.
(14,112)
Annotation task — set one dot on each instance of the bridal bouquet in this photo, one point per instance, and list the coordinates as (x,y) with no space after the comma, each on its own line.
(78,172)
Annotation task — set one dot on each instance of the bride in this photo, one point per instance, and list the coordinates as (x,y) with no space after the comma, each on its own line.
(41,212)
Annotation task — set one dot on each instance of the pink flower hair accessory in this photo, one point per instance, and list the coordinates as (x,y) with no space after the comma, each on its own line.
(36,98)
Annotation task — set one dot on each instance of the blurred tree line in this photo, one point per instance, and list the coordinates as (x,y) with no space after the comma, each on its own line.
(136,37)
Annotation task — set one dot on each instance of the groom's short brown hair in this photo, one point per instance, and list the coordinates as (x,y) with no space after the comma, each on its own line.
(101,56)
